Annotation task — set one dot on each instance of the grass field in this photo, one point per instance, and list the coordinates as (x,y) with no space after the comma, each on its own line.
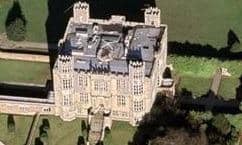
(196,74)
(204,22)
(22,126)
(26,72)
(121,134)
(235,120)
(60,132)
(35,12)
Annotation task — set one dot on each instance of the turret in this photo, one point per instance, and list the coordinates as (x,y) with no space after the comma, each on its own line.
(136,74)
(152,16)
(81,12)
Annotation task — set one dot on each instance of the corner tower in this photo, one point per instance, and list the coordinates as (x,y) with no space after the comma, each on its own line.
(152,16)
(63,76)
(81,12)
(136,77)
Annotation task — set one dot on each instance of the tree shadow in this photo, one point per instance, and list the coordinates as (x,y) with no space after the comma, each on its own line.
(163,115)
(38,141)
(193,49)
(167,73)
(232,38)
(207,102)
(44,127)
(239,90)
(15,13)
(81,140)
(10,118)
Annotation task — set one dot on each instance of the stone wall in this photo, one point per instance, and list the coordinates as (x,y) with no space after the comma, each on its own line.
(24,57)
(26,106)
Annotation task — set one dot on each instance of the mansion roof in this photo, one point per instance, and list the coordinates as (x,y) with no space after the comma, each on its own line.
(110,47)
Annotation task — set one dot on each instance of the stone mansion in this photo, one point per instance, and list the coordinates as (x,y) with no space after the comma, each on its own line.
(113,65)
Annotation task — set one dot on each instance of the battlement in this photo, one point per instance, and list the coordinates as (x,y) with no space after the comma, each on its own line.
(135,63)
(152,16)
(64,58)
(81,5)
(152,11)
(81,14)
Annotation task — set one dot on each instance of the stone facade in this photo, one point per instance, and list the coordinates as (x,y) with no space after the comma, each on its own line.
(122,75)
(127,96)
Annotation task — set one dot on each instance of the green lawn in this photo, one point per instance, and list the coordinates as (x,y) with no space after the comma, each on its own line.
(22,71)
(60,132)
(228,87)
(22,126)
(235,120)
(196,74)
(197,85)
(35,12)
(204,22)
(121,134)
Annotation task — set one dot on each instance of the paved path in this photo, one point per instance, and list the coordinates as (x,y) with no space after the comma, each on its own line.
(32,129)
(210,101)
(216,83)
(6,44)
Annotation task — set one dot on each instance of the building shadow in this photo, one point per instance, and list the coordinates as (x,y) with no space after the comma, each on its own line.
(132,9)
(199,50)
(17,90)
(59,12)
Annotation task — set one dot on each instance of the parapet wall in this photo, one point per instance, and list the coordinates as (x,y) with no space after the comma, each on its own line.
(24,57)
(26,108)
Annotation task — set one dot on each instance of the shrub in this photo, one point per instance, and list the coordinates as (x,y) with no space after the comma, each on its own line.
(46,124)
(44,136)
(84,126)
(107,130)
(221,123)
(81,140)
(16,30)
(11,123)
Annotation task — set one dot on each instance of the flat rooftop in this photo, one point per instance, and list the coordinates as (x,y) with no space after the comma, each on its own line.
(98,47)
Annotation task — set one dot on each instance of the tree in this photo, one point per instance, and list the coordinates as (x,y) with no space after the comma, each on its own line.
(45,124)
(195,118)
(221,123)
(15,23)
(44,137)
(16,30)
(11,123)
(81,140)
(84,126)
(233,137)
